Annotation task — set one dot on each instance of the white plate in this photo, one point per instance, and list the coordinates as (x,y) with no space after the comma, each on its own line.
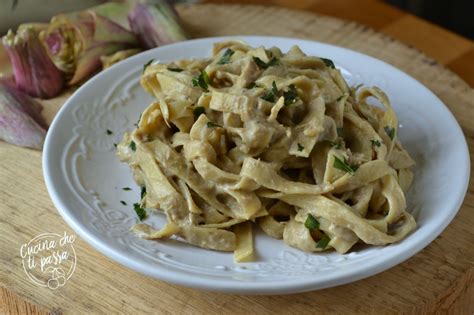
(85,179)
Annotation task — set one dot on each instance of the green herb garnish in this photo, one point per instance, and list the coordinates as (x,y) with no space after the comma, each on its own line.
(335,145)
(211,124)
(376,143)
(123,202)
(323,242)
(143,192)
(344,166)
(390,132)
(138,121)
(340,132)
(270,95)
(175,69)
(127,188)
(260,63)
(202,81)
(264,65)
(133,146)
(197,111)
(328,62)
(311,223)
(274,88)
(115,145)
(147,64)
(273,62)
(109,132)
(141,213)
(226,57)
(291,95)
(300,147)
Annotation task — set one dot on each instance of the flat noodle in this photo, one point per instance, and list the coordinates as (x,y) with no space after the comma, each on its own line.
(271,226)
(256,135)
(244,242)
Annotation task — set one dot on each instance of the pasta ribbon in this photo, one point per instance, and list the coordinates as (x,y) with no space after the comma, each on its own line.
(255,135)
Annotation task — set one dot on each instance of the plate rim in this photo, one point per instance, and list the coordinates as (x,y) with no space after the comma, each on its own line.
(245,287)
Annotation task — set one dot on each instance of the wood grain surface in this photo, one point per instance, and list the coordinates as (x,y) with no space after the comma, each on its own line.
(439,279)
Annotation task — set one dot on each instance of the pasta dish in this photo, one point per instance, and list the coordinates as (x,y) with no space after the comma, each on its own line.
(254,135)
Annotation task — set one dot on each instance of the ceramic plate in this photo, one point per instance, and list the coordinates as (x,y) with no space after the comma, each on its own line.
(85,179)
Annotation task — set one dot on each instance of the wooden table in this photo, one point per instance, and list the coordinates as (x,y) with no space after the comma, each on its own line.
(449,49)
(425,283)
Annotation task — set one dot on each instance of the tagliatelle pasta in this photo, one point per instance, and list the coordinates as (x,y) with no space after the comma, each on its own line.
(253,135)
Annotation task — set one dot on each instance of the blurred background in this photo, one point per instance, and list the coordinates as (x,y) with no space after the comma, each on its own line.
(455,15)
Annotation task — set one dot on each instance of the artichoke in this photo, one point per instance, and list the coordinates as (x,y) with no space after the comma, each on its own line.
(20,118)
(76,41)
(34,72)
(155,24)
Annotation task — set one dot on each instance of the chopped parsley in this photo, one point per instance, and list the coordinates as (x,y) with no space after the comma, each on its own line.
(344,166)
(340,132)
(175,69)
(291,95)
(274,88)
(197,111)
(127,188)
(147,64)
(376,143)
(143,192)
(270,95)
(109,132)
(141,213)
(300,147)
(123,202)
(226,57)
(115,145)
(138,121)
(328,62)
(264,65)
(311,223)
(202,81)
(211,124)
(390,132)
(323,242)
(273,62)
(133,146)
(335,145)
(260,63)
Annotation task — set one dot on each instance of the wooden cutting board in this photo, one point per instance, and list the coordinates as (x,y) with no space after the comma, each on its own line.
(438,278)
